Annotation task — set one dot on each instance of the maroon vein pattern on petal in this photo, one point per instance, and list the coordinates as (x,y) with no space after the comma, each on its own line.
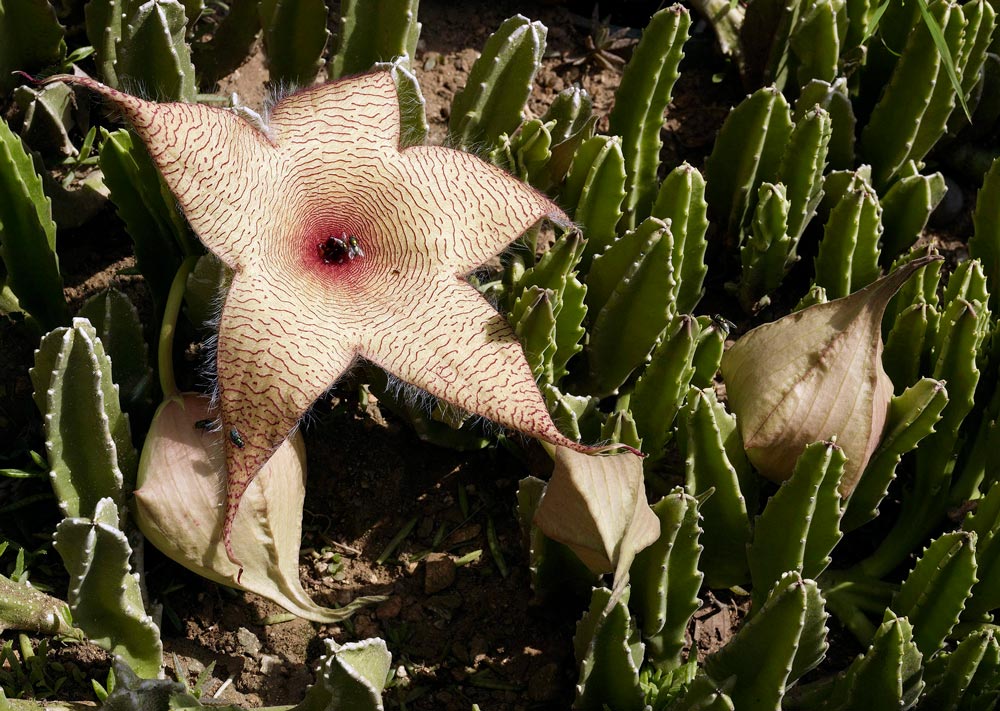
(444,337)
(445,185)
(216,164)
(360,112)
(276,355)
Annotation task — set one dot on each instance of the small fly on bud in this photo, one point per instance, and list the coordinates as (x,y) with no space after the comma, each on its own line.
(202,424)
(235,438)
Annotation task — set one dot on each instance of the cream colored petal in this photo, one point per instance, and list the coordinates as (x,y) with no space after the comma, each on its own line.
(280,347)
(328,120)
(462,211)
(443,337)
(426,208)
(220,168)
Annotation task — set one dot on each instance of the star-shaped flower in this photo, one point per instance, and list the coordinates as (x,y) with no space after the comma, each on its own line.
(343,246)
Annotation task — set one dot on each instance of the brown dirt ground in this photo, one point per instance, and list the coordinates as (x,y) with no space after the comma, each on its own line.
(480,638)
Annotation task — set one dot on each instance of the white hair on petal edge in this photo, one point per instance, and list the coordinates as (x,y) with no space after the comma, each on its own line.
(208,372)
(408,395)
(137,87)
(275,93)
(421,402)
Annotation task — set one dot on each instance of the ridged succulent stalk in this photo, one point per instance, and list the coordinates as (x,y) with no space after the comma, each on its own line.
(31,278)
(714,458)
(159,233)
(912,112)
(152,50)
(960,333)
(630,298)
(660,390)
(815,41)
(555,330)
(666,579)
(911,322)
(783,641)
(608,654)
(888,675)
(906,207)
(144,44)
(104,594)
(88,438)
(572,122)
(646,86)
(966,676)
(595,192)
(764,36)
(802,167)
(527,153)
(800,525)
(104,30)
(499,83)
(912,417)
(768,250)
(834,99)
(93,465)
(412,107)
(747,152)
(31,38)
(556,572)
(681,200)
(295,34)
(985,242)
(849,251)
(117,323)
(934,593)
(382,31)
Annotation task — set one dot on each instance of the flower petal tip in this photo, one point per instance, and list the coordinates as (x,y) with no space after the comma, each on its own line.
(25,75)
(628,448)
(227,541)
(615,447)
(557,217)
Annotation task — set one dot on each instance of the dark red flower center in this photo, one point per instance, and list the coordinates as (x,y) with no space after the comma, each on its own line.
(339,249)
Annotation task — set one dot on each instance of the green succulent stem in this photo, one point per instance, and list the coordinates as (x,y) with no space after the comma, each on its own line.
(854,599)
(851,616)
(865,593)
(172,309)
(914,524)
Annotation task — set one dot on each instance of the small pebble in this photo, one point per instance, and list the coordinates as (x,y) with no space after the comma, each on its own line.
(439,572)
(249,644)
(269,664)
(389,609)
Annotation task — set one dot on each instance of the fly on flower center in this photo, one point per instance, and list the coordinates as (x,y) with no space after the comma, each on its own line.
(339,249)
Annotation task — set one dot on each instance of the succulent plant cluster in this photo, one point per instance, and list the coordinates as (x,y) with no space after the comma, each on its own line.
(815,187)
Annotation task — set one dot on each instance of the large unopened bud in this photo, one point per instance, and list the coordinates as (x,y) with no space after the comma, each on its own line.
(812,376)
(180,503)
